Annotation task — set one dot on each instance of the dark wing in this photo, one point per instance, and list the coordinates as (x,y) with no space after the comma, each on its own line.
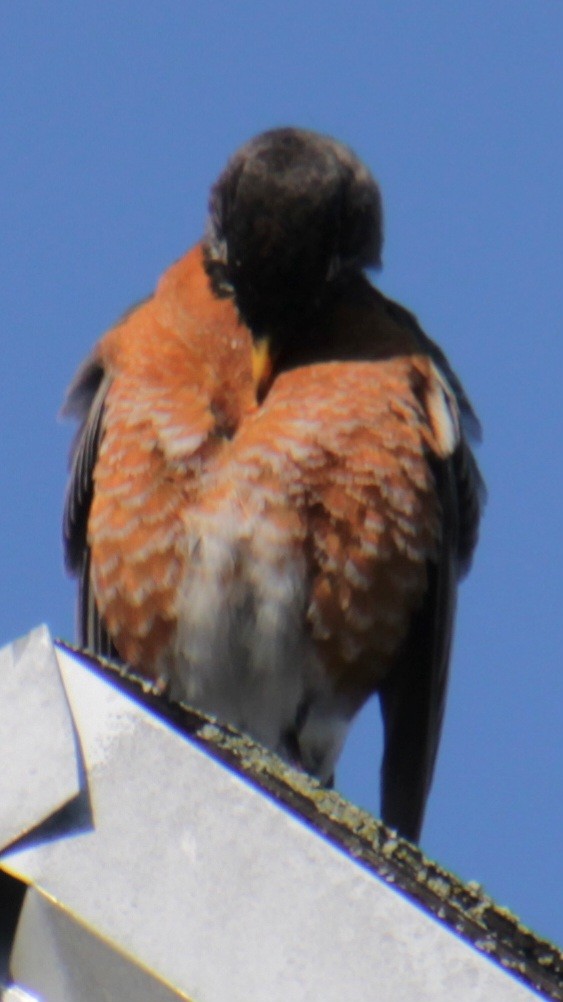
(469,419)
(413,699)
(85,401)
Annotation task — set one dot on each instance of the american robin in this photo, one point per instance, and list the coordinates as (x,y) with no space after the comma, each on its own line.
(272,495)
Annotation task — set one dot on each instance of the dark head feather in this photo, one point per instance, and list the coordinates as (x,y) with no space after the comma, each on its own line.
(292,213)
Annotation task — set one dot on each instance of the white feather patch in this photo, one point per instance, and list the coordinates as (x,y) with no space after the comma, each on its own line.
(443,412)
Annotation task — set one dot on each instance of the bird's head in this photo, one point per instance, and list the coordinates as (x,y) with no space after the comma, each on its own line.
(292,215)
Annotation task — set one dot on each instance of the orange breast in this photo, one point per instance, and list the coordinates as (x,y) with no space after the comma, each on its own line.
(182,382)
(337,459)
(334,461)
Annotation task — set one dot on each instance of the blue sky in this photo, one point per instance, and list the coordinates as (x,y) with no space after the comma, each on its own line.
(115,119)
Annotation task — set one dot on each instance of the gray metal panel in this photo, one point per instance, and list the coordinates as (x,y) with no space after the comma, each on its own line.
(223,893)
(59,958)
(17,994)
(36,736)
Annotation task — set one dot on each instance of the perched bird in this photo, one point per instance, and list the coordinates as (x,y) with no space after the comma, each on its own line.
(272,496)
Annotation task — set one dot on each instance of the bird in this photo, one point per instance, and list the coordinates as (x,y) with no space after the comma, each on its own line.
(273,492)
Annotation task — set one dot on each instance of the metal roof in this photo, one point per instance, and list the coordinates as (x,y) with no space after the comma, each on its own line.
(146,852)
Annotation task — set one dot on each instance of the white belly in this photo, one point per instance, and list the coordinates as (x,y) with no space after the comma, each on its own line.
(243,651)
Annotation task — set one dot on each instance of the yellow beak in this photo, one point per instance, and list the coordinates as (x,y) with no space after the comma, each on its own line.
(262,364)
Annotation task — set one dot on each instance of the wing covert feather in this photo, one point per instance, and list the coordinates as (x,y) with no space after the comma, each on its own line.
(85,400)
